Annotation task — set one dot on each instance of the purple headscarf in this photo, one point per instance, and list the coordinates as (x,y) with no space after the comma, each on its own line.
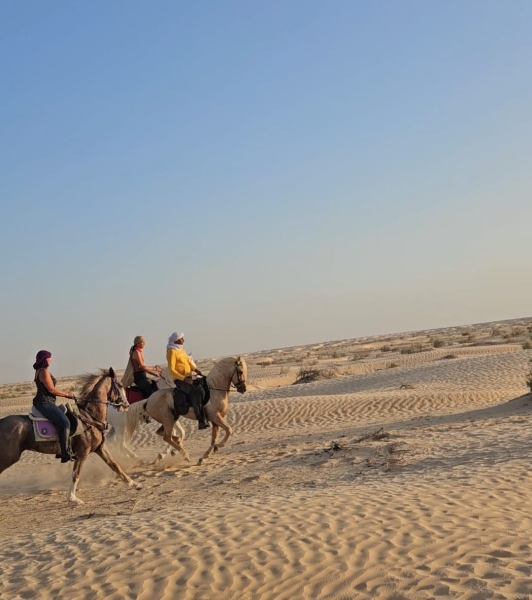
(40,359)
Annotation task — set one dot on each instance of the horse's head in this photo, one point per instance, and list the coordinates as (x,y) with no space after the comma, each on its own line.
(116,396)
(240,375)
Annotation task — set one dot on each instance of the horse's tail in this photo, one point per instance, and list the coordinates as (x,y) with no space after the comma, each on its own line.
(133,416)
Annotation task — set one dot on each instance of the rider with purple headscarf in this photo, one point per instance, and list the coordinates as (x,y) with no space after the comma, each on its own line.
(45,398)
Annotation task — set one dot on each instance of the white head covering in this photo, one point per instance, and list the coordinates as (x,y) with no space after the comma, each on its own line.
(173,339)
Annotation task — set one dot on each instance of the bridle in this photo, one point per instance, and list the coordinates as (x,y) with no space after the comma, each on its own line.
(117,403)
(240,381)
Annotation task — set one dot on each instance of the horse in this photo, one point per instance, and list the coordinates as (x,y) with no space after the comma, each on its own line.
(117,419)
(160,406)
(98,392)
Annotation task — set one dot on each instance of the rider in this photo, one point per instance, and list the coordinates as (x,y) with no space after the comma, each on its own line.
(180,367)
(140,370)
(44,401)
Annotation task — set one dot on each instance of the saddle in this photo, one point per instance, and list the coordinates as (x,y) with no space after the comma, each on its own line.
(45,431)
(182,403)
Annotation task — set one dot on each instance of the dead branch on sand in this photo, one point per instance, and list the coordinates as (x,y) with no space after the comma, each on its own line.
(379,434)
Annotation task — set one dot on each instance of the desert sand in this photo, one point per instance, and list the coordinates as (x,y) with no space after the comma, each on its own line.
(400,469)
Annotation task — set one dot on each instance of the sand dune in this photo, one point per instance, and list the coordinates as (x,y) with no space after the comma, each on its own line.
(304,502)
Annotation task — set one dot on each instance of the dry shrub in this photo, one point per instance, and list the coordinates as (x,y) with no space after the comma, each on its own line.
(412,349)
(265,363)
(437,342)
(359,356)
(386,348)
(527,345)
(308,374)
(392,365)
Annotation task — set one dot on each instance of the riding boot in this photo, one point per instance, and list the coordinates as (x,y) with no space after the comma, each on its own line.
(202,423)
(66,448)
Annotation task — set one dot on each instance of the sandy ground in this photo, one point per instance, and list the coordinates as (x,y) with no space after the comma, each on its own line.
(403,480)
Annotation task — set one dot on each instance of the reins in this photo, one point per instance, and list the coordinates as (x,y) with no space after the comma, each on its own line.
(103,426)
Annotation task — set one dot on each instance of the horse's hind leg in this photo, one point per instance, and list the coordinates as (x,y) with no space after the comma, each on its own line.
(104,454)
(215,431)
(175,442)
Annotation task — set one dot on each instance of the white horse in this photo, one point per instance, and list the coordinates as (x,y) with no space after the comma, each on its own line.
(160,406)
(117,419)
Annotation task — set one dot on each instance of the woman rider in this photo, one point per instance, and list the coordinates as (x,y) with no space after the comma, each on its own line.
(181,366)
(140,370)
(44,401)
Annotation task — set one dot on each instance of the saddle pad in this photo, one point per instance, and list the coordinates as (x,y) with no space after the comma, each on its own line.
(134,395)
(45,431)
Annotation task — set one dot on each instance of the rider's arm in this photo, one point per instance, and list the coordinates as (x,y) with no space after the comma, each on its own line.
(138,363)
(193,366)
(46,378)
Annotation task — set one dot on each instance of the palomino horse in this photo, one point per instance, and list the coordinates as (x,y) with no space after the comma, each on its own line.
(160,405)
(117,419)
(98,392)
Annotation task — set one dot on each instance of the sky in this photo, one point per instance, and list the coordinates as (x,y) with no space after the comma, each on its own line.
(258,174)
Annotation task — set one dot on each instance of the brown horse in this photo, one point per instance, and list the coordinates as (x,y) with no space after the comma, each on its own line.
(98,392)
(160,406)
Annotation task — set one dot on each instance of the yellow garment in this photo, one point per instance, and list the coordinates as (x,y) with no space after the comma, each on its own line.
(180,365)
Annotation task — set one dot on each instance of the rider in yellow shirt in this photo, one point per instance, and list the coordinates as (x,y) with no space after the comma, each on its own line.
(180,367)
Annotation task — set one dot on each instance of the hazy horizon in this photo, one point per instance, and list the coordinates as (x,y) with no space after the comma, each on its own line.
(258,176)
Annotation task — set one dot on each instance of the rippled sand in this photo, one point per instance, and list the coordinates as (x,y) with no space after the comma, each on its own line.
(303,503)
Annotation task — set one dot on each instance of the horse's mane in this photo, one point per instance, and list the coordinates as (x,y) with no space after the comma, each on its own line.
(90,380)
(221,365)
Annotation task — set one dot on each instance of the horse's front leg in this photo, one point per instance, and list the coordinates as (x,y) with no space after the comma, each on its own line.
(219,420)
(212,447)
(76,472)
(104,454)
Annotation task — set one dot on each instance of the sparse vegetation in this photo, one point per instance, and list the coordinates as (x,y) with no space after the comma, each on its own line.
(307,374)
(386,348)
(412,349)
(359,356)
(393,365)
(437,342)
(527,345)
(265,363)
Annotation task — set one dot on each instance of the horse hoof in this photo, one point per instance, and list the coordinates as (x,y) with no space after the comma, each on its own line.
(200,462)
(173,452)
(75,501)
(138,486)
(216,448)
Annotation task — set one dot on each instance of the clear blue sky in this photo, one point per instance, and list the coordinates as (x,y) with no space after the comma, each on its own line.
(258,174)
